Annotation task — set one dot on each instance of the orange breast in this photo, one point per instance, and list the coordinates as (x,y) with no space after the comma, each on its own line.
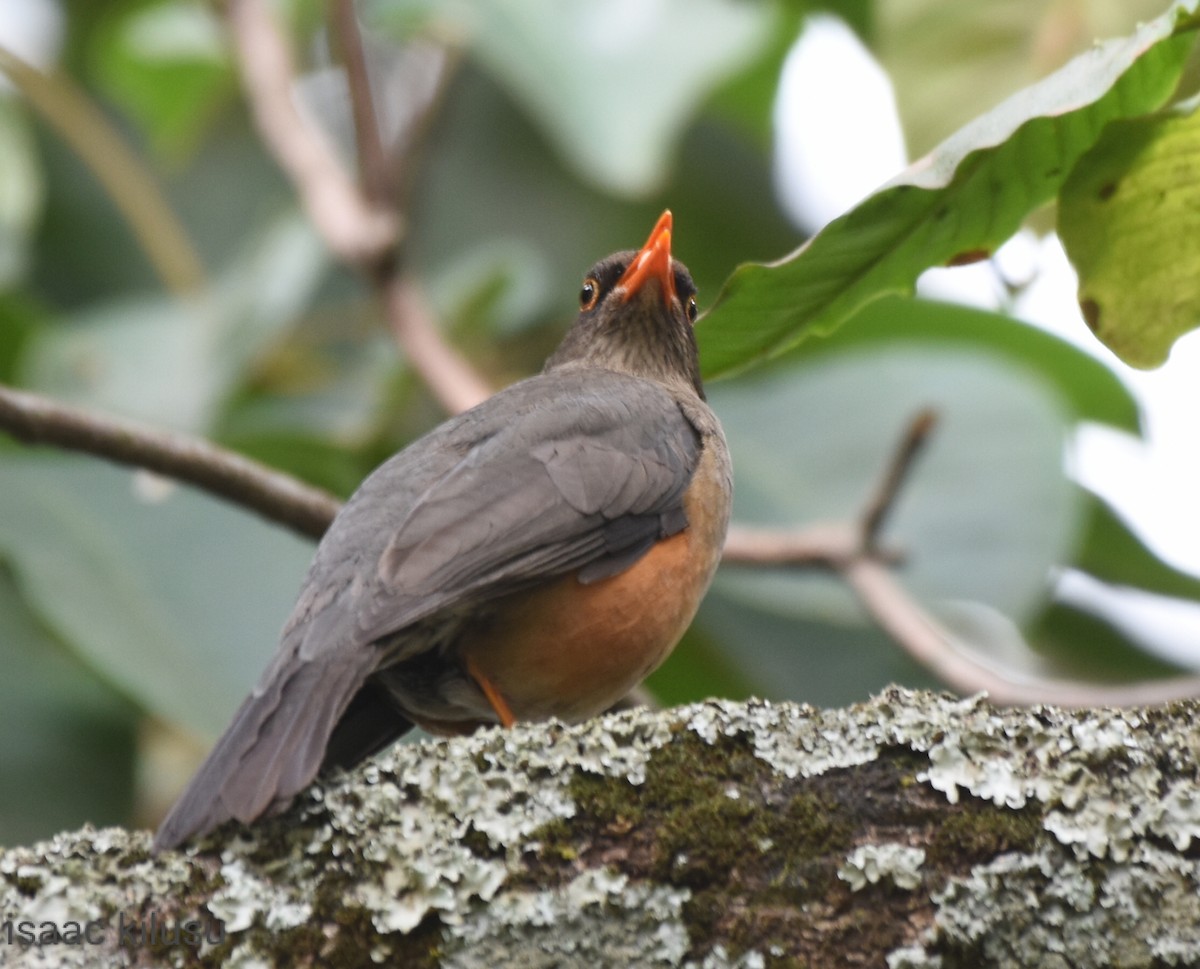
(570,650)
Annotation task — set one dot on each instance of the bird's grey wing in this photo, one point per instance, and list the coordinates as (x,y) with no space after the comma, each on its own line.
(563,472)
(588,482)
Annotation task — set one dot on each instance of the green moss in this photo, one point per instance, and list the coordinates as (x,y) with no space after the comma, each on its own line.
(760,854)
(979,831)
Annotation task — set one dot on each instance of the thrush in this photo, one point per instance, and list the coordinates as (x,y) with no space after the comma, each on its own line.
(535,557)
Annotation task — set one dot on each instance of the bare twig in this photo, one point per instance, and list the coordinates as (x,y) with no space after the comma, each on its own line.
(835,545)
(373,165)
(944,655)
(360,233)
(279,497)
(852,551)
(884,500)
(362,229)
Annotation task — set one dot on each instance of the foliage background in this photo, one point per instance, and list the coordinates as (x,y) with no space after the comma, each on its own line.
(135,613)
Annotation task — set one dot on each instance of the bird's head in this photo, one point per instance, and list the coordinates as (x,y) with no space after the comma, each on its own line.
(636,310)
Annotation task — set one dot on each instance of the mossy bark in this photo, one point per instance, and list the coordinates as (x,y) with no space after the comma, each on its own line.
(914,830)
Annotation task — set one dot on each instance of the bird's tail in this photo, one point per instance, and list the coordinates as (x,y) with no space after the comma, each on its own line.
(272,750)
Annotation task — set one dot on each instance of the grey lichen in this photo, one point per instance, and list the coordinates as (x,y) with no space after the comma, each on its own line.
(711,835)
(872,863)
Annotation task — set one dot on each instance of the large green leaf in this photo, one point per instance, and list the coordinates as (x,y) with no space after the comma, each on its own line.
(1087,388)
(175,597)
(67,739)
(958,203)
(1129,217)
(986,514)
(613,86)
(166,62)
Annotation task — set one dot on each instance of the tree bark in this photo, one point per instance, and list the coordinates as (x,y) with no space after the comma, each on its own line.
(915,830)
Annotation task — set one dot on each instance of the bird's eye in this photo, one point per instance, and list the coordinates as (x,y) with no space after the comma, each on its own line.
(589,295)
(692,309)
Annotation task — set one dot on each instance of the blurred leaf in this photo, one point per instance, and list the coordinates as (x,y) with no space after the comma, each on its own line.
(789,657)
(166,63)
(1112,552)
(697,669)
(21,190)
(67,739)
(1087,388)
(748,97)
(175,597)
(612,85)
(958,203)
(1129,217)
(503,284)
(172,362)
(20,318)
(986,513)
(1074,643)
(953,61)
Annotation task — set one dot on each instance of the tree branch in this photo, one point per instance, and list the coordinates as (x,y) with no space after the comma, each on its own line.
(276,496)
(373,163)
(911,830)
(453,381)
(363,229)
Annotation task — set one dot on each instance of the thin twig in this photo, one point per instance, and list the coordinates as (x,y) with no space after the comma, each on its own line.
(360,233)
(835,545)
(128,182)
(361,239)
(373,166)
(279,497)
(944,654)
(852,551)
(885,497)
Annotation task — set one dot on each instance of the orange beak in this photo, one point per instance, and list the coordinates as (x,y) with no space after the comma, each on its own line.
(653,262)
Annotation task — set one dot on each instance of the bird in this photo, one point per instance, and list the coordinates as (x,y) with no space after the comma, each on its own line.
(535,557)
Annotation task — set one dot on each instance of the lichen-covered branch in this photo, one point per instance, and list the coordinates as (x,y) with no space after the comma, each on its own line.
(911,831)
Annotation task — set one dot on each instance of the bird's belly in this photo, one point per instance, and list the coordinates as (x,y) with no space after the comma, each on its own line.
(570,650)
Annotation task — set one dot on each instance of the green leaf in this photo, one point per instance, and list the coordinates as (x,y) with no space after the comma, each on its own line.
(794,657)
(1112,552)
(1087,388)
(69,739)
(166,62)
(958,203)
(986,513)
(1071,642)
(1129,217)
(612,86)
(175,597)
(172,362)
